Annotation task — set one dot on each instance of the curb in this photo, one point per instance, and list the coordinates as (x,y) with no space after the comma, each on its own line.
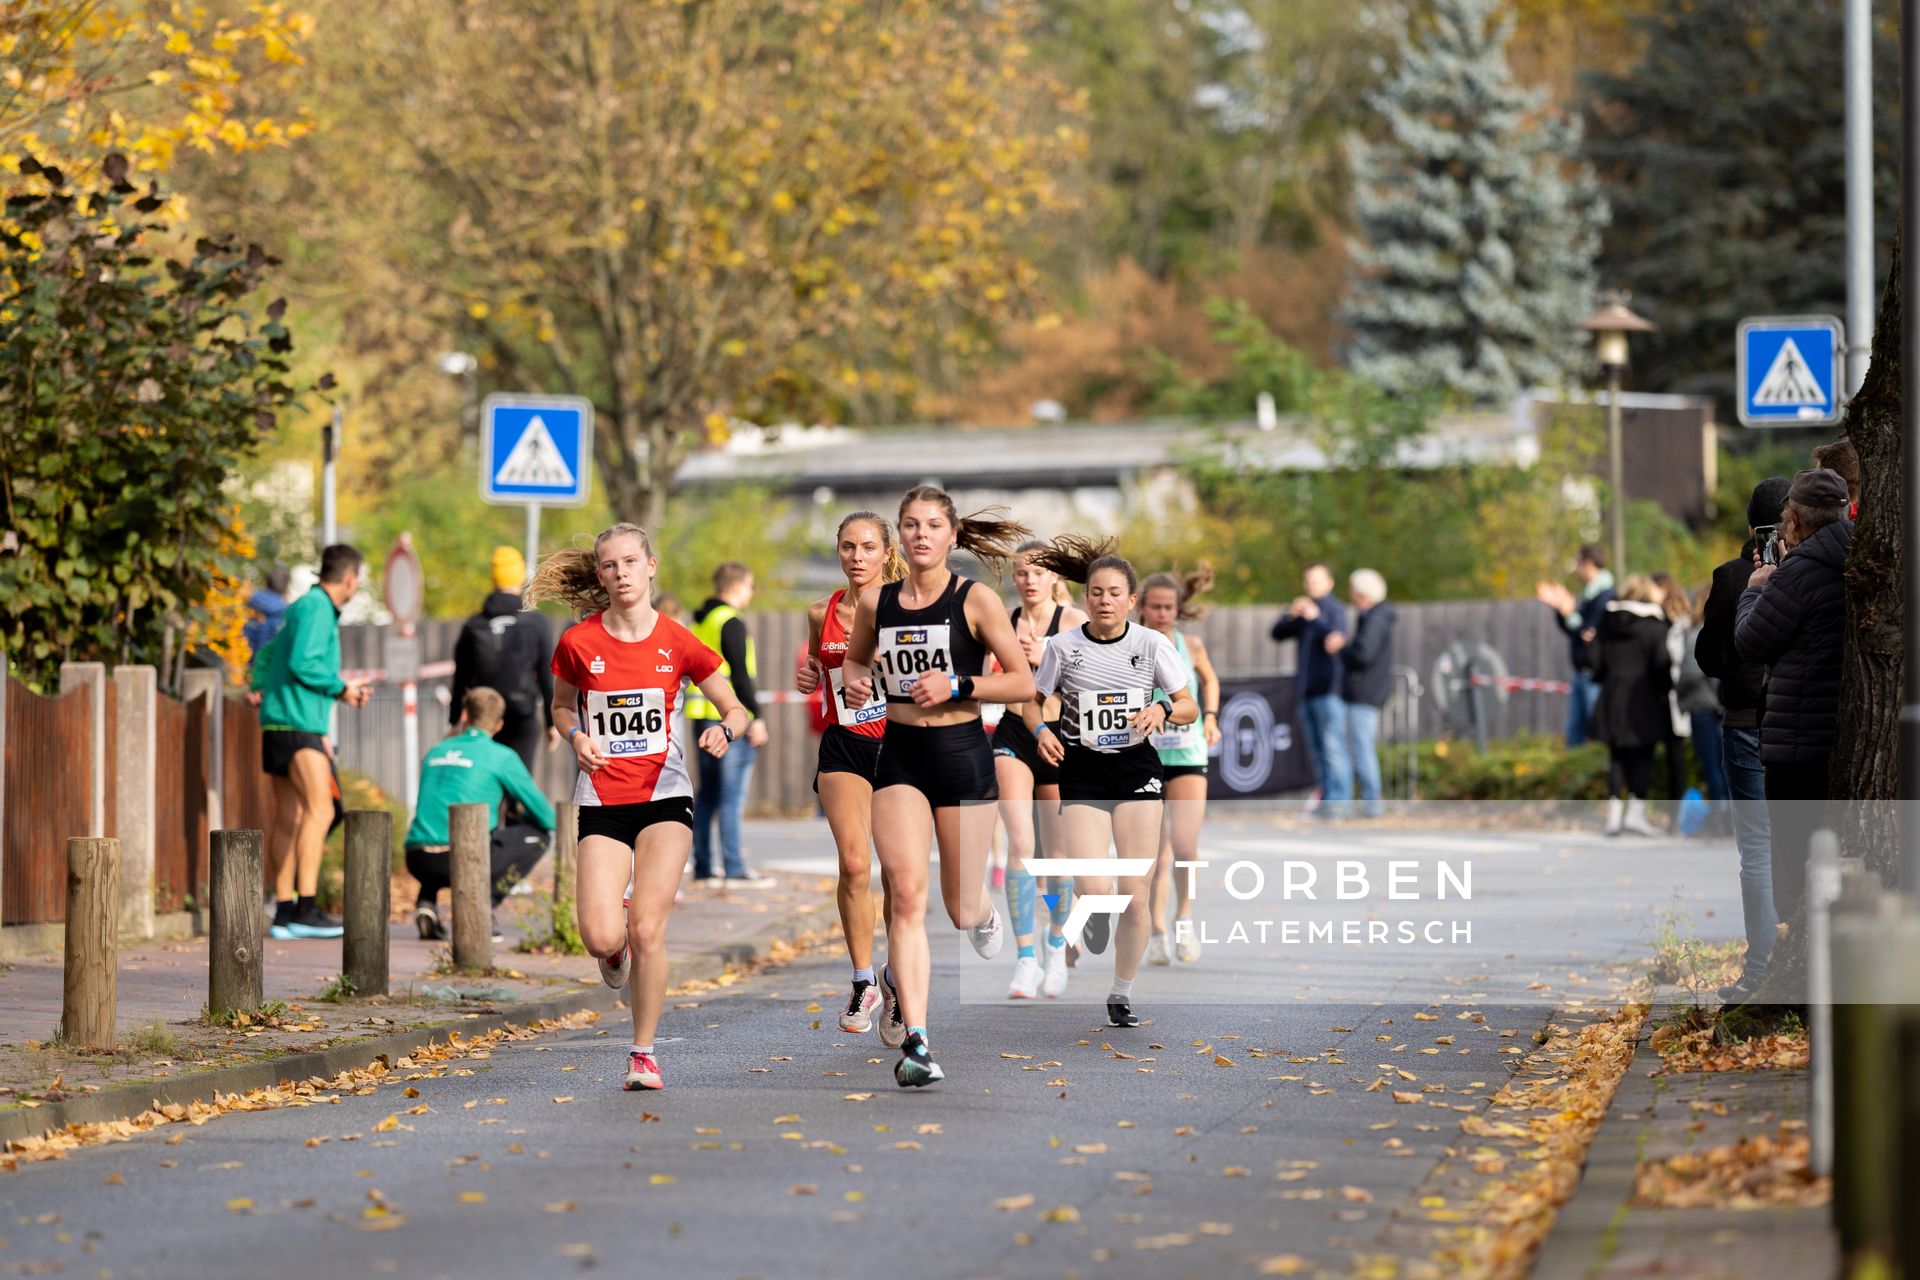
(130,1100)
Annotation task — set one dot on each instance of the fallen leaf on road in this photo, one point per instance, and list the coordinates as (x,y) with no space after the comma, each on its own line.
(1091,1148)
(1061,1213)
(1221,1060)
(1235,1171)
(1405,1097)
(1283,1264)
(660,1179)
(239,1204)
(473,1197)
(388,1125)
(1215,1228)
(804,1189)
(566,1097)
(1012,1203)
(858,1097)
(1171,1240)
(561,1206)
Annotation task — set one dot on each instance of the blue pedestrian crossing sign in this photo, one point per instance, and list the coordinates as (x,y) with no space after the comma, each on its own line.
(1788,370)
(536,450)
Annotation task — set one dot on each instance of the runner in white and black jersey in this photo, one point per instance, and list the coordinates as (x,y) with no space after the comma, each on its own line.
(1118,684)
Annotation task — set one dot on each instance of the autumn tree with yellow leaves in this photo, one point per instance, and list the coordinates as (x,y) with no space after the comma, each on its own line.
(694,214)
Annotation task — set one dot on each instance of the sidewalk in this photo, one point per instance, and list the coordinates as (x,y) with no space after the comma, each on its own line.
(166,1046)
(1606,1233)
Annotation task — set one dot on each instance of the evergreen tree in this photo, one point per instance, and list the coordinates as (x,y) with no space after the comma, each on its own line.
(1723,158)
(1479,225)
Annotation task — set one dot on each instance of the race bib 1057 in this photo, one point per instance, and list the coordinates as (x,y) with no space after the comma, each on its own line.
(1106,718)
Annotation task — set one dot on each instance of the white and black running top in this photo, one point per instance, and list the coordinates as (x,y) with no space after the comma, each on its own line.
(1104,684)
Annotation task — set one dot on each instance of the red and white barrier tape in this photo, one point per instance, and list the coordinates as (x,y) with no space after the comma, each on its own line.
(1521,684)
(378,675)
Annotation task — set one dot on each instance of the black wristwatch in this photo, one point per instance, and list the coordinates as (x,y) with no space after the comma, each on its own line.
(965,688)
(727,731)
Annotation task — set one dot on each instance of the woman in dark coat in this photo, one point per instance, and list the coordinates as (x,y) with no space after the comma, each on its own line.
(1634,668)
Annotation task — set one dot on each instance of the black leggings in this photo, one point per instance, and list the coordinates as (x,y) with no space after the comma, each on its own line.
(515,851)
(1630,770)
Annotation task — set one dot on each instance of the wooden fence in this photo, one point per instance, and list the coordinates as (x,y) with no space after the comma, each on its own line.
(63,777)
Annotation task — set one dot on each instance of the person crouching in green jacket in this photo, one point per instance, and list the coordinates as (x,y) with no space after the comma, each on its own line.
(471,768)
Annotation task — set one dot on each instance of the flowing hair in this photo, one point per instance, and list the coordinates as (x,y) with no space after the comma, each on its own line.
(985,536)
(572,576)
(895,567)
(1077,559)
(1062,593)
(1185,588)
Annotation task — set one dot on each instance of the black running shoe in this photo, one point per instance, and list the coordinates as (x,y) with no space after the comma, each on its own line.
(916,1068)
(1099,928)
(1120,1013)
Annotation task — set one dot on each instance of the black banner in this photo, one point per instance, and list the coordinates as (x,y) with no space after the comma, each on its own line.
(1262,749)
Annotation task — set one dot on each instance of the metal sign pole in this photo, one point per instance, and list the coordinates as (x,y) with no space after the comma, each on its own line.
(1860,292)
(329,447)
(533,537)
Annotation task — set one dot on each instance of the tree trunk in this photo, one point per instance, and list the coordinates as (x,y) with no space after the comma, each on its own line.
(1866,759)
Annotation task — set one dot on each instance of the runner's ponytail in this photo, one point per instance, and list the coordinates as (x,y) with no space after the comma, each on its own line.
(1077,559)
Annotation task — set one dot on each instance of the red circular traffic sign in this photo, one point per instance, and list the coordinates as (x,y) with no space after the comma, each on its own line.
(404,587)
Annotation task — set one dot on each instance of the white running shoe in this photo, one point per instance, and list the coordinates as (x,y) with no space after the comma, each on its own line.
(893,1031)
(1054,984)
(988,938)
(1188,948)
(614,972)
(1026,979)
(857,1019)
(1157,952)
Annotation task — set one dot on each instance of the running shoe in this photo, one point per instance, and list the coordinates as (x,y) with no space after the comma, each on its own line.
(1120,1013)
(747,879)
(311,922)
(614,972)
(916,1068)
(987,938)
(893,1031)
(1188,948)
(643,1072)
(281,932)
(1054,984)
(859,1015)
(1157,952)
(427,921)
(1027,976)
(1098,929)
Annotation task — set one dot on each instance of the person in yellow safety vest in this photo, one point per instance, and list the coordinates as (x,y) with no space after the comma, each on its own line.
(723,782)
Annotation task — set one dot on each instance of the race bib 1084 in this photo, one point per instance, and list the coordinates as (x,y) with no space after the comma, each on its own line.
(876,709)
(1106,718)
(628,722)
(904,654)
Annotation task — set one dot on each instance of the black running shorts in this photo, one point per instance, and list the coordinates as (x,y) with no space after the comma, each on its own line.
(1172,771)
(844,751)
(1110,776)
(950,764)
(1015,741)
(625,822)
(279,746)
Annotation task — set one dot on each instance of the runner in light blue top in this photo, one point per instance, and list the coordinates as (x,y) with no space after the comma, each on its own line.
(1166,601)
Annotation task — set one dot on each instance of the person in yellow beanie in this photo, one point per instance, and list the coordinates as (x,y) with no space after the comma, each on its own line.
(511,652)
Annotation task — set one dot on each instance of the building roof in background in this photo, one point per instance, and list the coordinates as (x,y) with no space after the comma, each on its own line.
(1069,455)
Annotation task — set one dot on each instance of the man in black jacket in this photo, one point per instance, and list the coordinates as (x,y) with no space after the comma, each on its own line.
(510,652)
(1314,619)
(1368,660)
(1742,692)
(1792,617)
(1579,617)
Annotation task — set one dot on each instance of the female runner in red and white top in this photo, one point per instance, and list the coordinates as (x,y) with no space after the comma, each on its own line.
(850,747)
(616,679)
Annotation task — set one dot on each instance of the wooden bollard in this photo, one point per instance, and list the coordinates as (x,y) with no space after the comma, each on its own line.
(566,867)
(93,935)
(472,886)
(369,894)
(236,882)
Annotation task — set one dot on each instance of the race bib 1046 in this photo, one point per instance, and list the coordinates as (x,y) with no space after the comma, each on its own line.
(876,708)
(1106,718)
(904,654)
(628,722)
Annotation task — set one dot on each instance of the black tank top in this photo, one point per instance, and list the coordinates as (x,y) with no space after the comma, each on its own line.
(913,642)
(1053,627)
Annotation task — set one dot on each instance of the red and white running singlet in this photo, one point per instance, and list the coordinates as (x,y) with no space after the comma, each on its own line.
(627,695)
(869,721)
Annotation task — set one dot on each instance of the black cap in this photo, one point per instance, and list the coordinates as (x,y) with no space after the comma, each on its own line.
(1769,499)
(1821,488)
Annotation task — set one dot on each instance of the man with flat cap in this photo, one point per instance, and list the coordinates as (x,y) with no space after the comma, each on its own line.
(1792,619)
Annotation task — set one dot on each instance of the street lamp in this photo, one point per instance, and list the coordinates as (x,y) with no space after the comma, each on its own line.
(1610,324)
(462,365)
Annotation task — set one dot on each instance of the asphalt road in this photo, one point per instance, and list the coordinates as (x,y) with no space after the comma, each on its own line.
(781,1150)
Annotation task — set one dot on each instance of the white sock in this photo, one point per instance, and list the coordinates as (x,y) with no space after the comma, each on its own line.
(1122,989)
(643,1048)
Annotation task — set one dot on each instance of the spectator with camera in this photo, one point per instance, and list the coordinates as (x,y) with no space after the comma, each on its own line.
(1742,692)
(1580,617)
(1792,618)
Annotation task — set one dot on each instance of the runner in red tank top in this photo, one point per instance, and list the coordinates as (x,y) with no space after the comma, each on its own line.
(616,678)
(850,747)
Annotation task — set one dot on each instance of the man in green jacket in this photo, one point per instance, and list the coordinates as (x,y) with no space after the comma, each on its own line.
(471,768)
(298,679)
